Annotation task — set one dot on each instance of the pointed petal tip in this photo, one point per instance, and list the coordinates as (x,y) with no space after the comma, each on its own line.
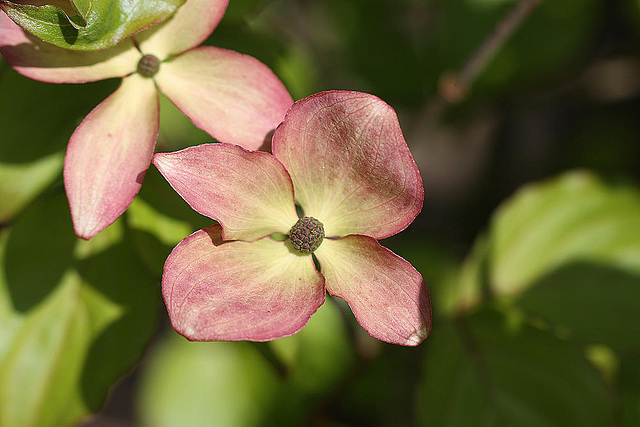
(418,336)
(84,232)
(387,295)
(108,155)
(192,23)
(159,160)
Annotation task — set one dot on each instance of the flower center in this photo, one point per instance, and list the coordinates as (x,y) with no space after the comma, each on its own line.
(148,65)
(307,234)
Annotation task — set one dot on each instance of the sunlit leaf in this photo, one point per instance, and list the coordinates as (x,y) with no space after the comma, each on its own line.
(75,316)
(479,372)
(198,383)
(89,24)
(155,233)
(567,251)
(570,219)
(246,384)
(21,182)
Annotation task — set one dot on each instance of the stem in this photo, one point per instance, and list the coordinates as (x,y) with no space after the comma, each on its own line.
(455,87)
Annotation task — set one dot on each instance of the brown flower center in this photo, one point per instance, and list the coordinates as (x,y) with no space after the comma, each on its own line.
(148,66)
(307,234)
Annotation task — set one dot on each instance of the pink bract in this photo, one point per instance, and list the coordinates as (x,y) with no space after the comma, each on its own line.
(233,97)
(342,158)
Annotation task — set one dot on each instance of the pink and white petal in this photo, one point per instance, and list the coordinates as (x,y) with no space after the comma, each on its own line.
(350,165)
(229,291)
(248,192)
(192,23)
(387,295)
(45,62)
(234,97)
(109,154)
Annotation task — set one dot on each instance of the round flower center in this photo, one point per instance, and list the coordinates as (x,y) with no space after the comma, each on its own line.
(306,236)
(148,65)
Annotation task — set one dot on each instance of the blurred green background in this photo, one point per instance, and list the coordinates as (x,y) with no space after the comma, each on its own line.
(529,237)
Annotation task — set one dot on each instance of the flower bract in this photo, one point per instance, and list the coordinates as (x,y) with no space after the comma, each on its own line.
(342,158)
(233,97)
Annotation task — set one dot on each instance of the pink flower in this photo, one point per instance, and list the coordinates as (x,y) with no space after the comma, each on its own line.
(233,97)
(341,157)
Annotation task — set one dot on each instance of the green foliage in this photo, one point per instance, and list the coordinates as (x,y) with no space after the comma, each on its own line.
(629,382)
(571,219)
(31,155)
(159,219)
(233,384)
(89,24)
(399,49)
(207,383)
(74,316)
(480,371)
(563,255)
(566,251)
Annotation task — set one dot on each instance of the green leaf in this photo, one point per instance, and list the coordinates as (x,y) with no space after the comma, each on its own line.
(20,183)
(575,218)
(246,384)
(89,24)
(480,372)
(160,219)
(37,120)
(206,383)
(595,303)
(317,361)
(177,131)
(566,251)
(382,388)
(241,9)
(74,316)
(629,383)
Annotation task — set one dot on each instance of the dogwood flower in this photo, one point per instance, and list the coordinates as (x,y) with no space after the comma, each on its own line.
(341,157)
(233,97)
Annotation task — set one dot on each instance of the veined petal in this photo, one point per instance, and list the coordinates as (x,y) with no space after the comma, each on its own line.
(45,62)
(248,192)
(386,294)
(230,291)
(109,154)
(234,97)
(349,163)
(192,23)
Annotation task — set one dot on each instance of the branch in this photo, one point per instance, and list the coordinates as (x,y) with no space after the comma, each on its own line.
(454,88)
